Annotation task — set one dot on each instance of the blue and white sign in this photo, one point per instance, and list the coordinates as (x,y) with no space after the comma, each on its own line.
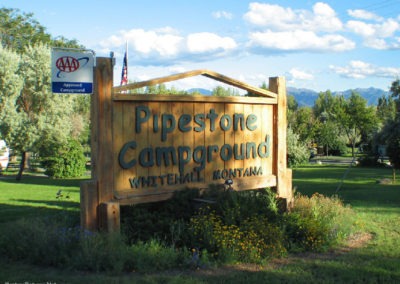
(72,71)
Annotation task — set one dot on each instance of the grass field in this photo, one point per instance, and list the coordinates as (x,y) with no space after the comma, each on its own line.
(372,259)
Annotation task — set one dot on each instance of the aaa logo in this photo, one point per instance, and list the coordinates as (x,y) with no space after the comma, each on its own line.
(69,64)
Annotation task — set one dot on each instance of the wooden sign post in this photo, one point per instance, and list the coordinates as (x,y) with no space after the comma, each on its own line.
(145,147)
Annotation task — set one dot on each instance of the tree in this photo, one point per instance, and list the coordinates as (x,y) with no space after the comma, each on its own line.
(357,120)
(20,30)
(328,135)
(297,150)
(34,116)
(292,107)
(326,104)
(303,124)
(224,92)
(386,109)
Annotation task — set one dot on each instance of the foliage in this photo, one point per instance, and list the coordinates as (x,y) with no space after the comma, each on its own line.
(386,109)
(160,89)
(395,90)
(298,152)
(63,160)
(32,115)
(375,259)
(303,124)
(317,222)
(254,240)
(19,30)
(44,241)
(329,135)
(393,144)
(163,220)
(224,92)
(357,120)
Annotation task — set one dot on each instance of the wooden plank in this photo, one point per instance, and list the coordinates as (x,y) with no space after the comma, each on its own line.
(229,135)
(142,141)
(213,138)
(199,136)
(109,216)
(267,129)
(154,136)
(188,98)
(207,73)
(104,167)
(88,204)
(239,162)
(119,140)
(284,189)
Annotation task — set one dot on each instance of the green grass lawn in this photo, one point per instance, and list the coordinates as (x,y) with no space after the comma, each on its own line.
(36,196)
(377,207)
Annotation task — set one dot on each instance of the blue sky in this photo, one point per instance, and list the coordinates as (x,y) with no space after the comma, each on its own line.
(335,45)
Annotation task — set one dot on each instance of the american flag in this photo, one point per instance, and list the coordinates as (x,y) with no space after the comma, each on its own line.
(124,75)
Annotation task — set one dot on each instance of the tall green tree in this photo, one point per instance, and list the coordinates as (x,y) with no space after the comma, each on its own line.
(386,109)
(33,116)
(395,90)
(303,124)
(357,119)
(18,30)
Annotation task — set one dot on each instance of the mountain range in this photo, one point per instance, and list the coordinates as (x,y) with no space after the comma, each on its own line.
(307,97)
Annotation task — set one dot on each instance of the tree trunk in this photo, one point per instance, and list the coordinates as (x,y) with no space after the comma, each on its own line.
(21,166)
(353,146)
(394,174)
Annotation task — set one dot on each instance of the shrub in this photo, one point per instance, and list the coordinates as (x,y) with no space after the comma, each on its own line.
(253,241)
(64,161)
(40,241)
(239,227)
(297,152)
(317,222)
(155,256)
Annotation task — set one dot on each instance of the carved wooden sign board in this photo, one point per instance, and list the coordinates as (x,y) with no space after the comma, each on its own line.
(145,147)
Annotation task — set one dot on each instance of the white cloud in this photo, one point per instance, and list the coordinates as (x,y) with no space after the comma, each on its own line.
(206,42)
(167,46)
(222,15)
(321,18)
(300,74)
(164,42)
(364,15)
(357,69)
(300,40)
(377,36)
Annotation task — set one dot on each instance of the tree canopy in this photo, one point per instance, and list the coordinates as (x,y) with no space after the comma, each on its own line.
(18,30)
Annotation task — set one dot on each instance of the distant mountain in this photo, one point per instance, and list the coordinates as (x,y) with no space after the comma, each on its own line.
(307,97)
(201,91)
(304,97)
(370,94)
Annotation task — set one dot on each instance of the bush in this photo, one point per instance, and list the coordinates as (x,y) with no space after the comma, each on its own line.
(253,241)
(39,241)
(239,227)
(297,152)
(317,223)
(64,161)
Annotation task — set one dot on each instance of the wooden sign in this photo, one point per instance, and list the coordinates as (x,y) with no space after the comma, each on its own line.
(145,147)
(167,143)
